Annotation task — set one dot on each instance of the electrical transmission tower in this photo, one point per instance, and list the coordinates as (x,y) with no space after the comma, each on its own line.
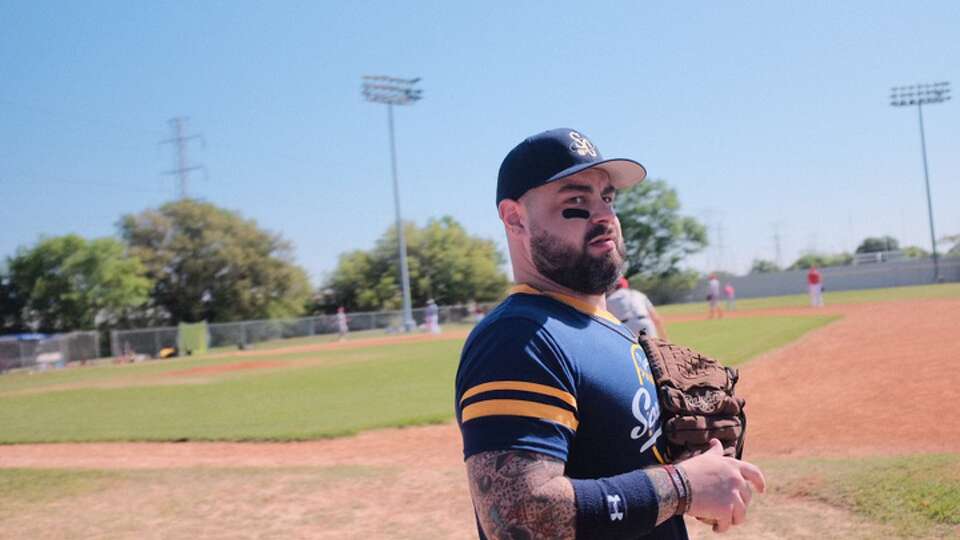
(776,243)
(181,164)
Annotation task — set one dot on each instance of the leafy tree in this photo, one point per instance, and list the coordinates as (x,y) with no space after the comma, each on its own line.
(876,244)
(69,283)
(763,266)
(656,235)
(915,252)
(821,260)
(955,240)
(666,288)
(444,261)
(211,264)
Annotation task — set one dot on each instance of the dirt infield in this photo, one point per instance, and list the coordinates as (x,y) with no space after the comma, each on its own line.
(872,383)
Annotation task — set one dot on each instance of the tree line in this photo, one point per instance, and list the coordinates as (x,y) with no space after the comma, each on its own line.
(190,261)
(872,244)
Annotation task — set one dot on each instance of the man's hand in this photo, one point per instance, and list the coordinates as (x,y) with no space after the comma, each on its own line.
(721,487)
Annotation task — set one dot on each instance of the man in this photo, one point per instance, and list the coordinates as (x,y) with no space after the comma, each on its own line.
(731,296)
(635,310)
(554,397)
(432,317)
(713,297)
(815,287)
(342,328)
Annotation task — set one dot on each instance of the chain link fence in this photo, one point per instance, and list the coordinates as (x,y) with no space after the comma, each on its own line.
(40,351)
(150,341)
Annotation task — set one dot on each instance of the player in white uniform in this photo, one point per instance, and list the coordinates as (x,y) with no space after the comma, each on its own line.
(635,310)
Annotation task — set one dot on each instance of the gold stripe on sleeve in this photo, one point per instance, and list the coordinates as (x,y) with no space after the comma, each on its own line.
(516,407)
(533,388)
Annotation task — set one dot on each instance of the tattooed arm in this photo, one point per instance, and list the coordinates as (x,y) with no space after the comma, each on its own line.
(525,495)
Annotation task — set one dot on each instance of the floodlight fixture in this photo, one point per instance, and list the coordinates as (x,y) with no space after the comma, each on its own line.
(392,91)
(920,95)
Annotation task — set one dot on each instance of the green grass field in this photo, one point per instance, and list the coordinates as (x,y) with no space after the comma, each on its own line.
(323,338)
(918,495)
(917,292)
(328,393)
(305,395)
(314,394)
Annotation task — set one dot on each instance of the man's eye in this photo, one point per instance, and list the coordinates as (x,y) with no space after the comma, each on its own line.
(576,200)
(608,199)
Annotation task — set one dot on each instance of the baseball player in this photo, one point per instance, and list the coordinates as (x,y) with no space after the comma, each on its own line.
(342,328)
(432,317)
(635,310)
(713,297)
(554,397)
(815,287)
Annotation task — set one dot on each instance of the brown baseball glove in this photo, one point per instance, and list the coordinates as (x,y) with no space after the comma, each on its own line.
(697,401)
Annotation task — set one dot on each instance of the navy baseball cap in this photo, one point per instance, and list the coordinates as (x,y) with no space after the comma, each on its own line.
(555,155)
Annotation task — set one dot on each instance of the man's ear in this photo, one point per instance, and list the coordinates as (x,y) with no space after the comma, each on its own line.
(512,215)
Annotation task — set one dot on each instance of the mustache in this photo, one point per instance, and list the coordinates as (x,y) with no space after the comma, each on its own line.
(599,230)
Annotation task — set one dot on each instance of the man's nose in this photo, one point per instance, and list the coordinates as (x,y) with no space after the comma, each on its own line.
(603,213)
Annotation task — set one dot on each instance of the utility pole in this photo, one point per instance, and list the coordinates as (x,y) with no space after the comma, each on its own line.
(181,164)
(721,260)
(393,91)
(920,95)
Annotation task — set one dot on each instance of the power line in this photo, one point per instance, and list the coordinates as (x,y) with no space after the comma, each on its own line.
(85,183)
(78,118)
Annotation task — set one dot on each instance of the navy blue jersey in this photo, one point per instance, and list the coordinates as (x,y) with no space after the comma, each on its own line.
(548,373)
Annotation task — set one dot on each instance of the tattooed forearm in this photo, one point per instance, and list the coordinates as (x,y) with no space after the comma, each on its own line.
(667,499)
(522,495)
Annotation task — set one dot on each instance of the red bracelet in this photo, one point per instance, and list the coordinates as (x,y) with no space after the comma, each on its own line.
(677,479)
(686,486)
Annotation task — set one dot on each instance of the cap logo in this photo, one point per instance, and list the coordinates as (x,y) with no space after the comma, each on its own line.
(581,145)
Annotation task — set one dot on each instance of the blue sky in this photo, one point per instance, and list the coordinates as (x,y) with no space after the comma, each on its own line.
(765,116)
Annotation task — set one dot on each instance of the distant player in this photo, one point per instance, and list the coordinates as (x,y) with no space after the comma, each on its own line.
(432,317)
(815,287)
(635,310)
(342,327)
(713,297)
(554,396)
(731,295)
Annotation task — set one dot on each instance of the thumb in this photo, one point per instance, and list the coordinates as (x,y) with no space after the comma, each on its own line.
(716,447)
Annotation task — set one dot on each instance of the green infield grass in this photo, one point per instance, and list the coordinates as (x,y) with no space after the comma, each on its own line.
(918,495)
(916,292)
(326,338)
(734,341)
(298,396)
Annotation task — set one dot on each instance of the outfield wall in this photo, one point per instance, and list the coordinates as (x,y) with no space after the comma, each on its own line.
(839,278)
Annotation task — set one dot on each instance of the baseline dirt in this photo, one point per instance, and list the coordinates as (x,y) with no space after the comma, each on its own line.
(872,383)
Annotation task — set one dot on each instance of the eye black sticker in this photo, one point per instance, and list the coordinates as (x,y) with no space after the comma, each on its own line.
(576,213)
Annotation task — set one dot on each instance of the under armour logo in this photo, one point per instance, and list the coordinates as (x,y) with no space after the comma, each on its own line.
(582,145)
(613,505)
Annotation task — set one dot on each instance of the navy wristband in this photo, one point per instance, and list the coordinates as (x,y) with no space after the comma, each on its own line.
(623,506)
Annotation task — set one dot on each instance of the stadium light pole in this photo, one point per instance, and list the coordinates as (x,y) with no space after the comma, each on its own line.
(920,95)
(393,91)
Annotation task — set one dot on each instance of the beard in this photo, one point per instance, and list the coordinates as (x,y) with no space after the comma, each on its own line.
(576,269)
